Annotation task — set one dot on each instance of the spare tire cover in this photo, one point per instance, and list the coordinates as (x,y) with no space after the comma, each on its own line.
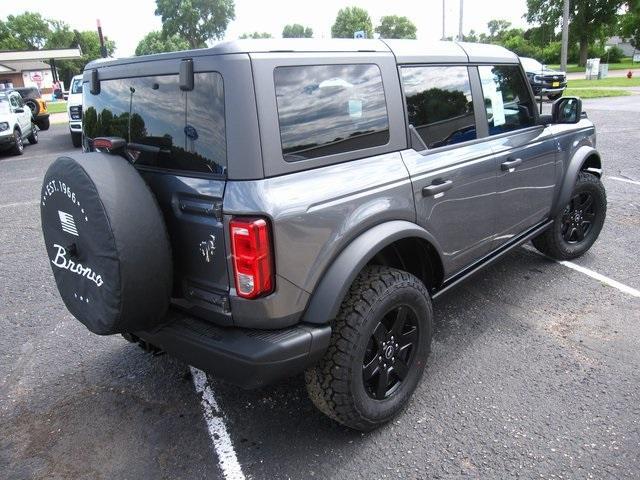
(107,243)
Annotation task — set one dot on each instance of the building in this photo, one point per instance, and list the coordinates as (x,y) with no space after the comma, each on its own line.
(34,68)
(623,44)
(29,73)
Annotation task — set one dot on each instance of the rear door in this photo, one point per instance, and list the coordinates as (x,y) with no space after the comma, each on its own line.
(453,175)
(526,152)
(177,140)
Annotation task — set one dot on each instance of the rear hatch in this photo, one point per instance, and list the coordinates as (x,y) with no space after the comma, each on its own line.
(177,140)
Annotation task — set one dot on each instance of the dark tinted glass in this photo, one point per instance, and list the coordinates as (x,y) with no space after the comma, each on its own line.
(76,86)
(180,130)
(506,98)
(330,109)
(439,104)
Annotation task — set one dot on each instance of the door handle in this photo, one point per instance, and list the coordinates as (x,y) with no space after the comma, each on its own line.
(510,165)
(436,188)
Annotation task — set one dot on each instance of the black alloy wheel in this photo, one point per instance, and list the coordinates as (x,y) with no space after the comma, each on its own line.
(578,218)
(390,352)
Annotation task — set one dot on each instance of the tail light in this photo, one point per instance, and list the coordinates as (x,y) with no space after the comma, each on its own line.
(251,253)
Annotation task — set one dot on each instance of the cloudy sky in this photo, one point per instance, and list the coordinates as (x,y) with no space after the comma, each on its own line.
(127,22)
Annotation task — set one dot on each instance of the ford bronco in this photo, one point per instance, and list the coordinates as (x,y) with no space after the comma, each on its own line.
(264,208)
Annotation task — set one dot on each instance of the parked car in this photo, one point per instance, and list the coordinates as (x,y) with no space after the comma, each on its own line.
(544,80)
(38,106)
(15,123)
(265,208)
(74,110)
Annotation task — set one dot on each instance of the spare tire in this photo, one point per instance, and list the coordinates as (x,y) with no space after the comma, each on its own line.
(107,243)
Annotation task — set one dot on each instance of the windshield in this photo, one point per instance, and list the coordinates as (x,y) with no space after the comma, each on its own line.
(531,65)
(181,130)
(76,86)
(4,104)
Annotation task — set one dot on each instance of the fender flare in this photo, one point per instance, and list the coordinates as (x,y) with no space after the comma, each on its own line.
(337,279)
(571,176)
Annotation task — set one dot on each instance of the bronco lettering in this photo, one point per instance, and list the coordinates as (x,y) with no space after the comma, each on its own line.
(61,261)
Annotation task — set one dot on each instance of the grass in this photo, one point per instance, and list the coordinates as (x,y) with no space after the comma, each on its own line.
(595,92)
(607,82)
(624,65)
(56,107)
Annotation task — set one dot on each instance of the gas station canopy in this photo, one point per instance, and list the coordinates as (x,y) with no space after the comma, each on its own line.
(56,54)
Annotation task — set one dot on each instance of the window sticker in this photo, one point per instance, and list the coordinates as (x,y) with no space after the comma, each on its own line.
(497,107)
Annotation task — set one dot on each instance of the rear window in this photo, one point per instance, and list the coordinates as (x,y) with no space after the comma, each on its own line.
(166,127)
(330,109)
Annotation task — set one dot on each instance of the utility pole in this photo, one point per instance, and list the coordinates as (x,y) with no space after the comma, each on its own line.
(443,28)
(564,53)
(460,34)
(103,49)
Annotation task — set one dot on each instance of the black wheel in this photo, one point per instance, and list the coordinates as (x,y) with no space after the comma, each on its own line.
(43,123)
(554,96)
(33,106)
(18,143)
(577,227)
(76,139)
(378,350)
(33,138)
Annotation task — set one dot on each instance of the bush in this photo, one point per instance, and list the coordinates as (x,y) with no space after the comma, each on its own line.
(550,54)
(615,55)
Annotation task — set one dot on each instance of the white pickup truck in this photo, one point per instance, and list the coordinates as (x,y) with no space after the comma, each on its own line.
(74,110)
(15,123)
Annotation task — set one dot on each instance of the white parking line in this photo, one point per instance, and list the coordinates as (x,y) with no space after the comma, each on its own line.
(624,180)
(217,430)
(590,273)
(20,204)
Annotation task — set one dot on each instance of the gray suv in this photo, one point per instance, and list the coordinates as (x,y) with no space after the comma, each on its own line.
(265,208)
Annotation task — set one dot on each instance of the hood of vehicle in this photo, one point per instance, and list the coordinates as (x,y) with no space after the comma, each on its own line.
(546,71)
(74,99)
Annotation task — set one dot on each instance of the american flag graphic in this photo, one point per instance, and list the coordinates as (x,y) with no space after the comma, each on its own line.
(68,224)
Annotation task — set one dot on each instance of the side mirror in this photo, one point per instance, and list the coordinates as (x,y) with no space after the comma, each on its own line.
(567,110)
(19,110)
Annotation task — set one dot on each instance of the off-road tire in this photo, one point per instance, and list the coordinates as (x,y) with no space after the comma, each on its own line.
(335,384)
(43,123)
(76,139)
(551,241)
(18,145)
(33,138)
(33,106)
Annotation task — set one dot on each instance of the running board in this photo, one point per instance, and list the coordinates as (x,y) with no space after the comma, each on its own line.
(489,259)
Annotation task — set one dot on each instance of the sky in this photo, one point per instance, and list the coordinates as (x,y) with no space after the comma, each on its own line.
(127,22)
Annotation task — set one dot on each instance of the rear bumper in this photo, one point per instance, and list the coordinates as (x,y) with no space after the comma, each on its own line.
(245,357)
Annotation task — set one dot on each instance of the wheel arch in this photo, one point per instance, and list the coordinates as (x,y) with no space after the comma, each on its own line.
(587,159)
(391,244)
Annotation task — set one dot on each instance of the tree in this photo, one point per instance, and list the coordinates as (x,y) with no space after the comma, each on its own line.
(196,21)
(350,20)
(497,28)
(255,35)
(296,31)
(27,31)
(156,42)
(393,26)
(630,24)
(588,18)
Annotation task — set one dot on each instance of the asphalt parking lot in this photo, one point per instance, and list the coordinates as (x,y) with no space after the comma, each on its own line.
(534,371)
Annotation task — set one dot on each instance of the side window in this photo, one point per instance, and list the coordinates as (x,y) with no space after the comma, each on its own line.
(330,109)
(506,98)
(14,101)
(439,104)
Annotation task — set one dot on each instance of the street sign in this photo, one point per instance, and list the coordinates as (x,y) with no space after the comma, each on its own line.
(360,34)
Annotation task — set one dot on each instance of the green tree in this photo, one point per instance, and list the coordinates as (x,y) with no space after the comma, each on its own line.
(588,18)
(393,26)
(296,31)
(630,24)
(195,20)
(27,31)
(255,35)
(497,28)
(156,42)
(350,20)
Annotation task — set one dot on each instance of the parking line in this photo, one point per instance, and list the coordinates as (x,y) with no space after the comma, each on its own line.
(217,430)
(624,180)
(20,204)
(590,273)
